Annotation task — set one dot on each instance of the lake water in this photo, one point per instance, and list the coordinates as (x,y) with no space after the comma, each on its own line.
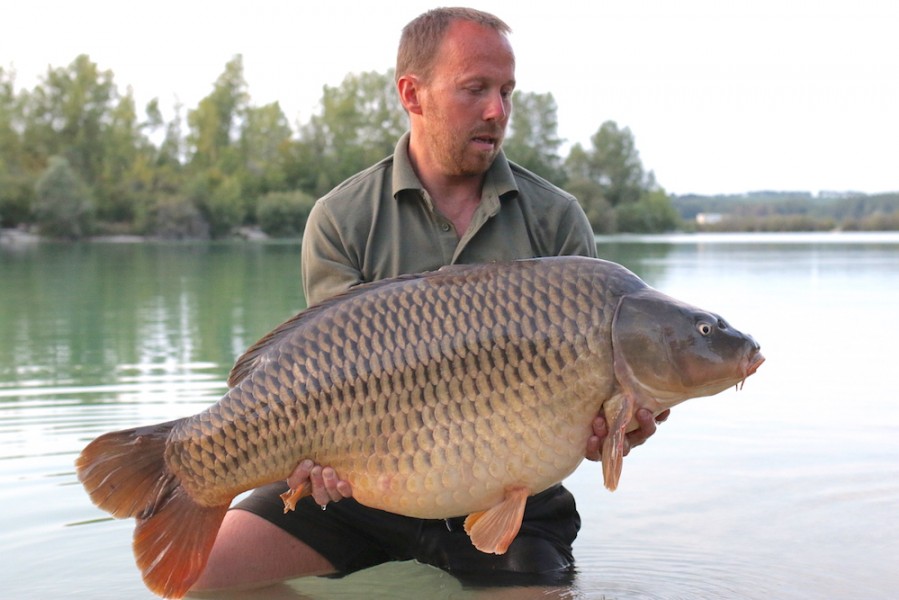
(788,488)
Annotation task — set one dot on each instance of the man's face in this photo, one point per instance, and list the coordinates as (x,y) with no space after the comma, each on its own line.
(468,100)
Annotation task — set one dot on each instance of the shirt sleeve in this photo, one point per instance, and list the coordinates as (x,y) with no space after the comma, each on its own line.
(327,266)
(575,236)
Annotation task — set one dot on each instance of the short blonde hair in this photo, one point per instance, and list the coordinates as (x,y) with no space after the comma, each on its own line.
(421,38)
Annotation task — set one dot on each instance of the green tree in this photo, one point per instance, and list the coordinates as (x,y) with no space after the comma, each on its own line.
(167,165)
(359,124)
(66,114)
(121,179)
(215,159)
(16,184)
(611,175)
(265,141)
(78,113)
(215,123)
(533,141)
(612,162)
(63,206)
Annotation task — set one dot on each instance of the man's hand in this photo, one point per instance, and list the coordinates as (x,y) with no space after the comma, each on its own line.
(326,486)
(631,440)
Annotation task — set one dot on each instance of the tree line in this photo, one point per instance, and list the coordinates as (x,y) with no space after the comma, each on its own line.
(77,158)
(771,211)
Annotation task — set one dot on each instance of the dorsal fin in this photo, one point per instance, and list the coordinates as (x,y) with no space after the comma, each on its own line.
(250,358)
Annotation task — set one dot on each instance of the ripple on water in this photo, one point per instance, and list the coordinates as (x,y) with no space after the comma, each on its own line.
(45,418)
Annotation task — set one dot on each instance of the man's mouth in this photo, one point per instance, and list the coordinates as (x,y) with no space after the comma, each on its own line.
(486,141)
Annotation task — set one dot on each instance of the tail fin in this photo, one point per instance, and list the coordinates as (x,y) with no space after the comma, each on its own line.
(125,474)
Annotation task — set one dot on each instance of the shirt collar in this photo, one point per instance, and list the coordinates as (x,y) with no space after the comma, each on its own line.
(499,180)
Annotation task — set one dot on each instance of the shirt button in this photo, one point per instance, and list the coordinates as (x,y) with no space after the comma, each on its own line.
(445,227)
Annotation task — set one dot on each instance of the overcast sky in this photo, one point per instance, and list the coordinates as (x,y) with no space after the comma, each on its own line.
(721,96)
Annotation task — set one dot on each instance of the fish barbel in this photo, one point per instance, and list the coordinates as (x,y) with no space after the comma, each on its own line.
(456,392)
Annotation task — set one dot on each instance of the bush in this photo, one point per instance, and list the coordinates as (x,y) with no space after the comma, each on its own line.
(875,222)
(284,214)
(63,206)
(653,213)
(224,208)
(174,218)
(220,201)
(16,199)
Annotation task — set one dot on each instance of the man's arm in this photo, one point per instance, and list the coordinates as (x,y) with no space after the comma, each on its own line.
(574,235)
(328,265)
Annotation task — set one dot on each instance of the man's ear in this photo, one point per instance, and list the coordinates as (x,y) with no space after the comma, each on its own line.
(409,89)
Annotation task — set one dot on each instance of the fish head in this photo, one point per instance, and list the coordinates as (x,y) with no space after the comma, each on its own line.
(673,351)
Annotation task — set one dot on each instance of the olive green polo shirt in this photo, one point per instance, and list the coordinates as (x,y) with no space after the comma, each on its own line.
(382,223)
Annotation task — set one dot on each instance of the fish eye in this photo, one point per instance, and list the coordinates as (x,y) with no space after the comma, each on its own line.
(704,328)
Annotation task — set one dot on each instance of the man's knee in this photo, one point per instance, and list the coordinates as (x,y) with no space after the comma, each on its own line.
(250,551)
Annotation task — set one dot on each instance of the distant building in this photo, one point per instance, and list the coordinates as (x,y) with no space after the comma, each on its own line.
(708,218)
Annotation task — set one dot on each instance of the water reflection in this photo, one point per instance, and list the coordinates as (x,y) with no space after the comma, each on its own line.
(787,489)
(77,312)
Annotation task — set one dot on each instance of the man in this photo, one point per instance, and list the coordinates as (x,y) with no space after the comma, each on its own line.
(447,195)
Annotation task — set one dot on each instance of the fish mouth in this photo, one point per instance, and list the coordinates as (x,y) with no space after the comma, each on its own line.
(750,366)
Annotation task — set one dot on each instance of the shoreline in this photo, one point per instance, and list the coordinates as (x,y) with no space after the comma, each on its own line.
(19,237)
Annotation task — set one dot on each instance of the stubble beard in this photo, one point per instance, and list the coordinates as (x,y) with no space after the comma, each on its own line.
(455,154)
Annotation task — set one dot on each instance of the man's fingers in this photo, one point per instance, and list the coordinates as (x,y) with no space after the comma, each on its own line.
(647,429)
(594,448)
(600,428)
(324,483)
(329,476)
(344,489)
(319,492)
(300,475)
(594,442)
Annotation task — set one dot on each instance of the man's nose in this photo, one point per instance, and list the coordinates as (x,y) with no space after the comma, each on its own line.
(497,107)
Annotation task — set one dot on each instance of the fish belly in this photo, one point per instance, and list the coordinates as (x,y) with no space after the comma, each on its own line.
(451,447)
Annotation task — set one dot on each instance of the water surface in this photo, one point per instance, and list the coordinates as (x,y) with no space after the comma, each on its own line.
(786,489)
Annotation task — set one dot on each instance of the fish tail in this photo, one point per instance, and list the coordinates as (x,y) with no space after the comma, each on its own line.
(125,474)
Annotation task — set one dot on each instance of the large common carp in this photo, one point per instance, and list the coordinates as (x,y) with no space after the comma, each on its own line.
(456,392)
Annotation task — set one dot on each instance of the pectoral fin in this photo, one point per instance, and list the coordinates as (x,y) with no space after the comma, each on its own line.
(494,529)
(619,409)
(292,496)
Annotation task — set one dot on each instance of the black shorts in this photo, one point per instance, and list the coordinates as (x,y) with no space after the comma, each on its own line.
(354,537)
